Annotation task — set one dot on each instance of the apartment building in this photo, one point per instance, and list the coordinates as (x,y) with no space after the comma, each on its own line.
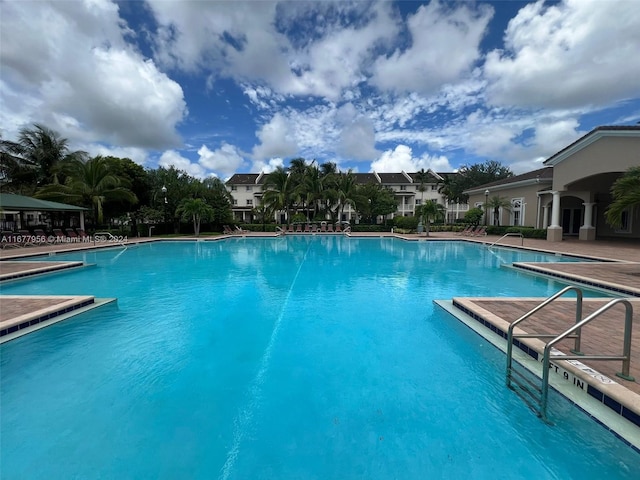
(247,189)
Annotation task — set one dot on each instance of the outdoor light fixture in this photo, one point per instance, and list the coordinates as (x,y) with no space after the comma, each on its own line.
(486,207)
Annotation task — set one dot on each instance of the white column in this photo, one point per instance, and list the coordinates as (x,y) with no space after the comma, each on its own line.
(554,232)
(82,220)
(545,216)
(587,230)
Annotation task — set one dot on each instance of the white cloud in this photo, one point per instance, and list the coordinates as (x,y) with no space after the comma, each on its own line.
(275,139)
(267,166)
(138,155)
(68,65)
(226,159)
(401,159)
(172,158)
(575,53)
(357,135)
(445,46)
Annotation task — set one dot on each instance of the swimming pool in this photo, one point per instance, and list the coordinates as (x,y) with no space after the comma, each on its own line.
(297,357)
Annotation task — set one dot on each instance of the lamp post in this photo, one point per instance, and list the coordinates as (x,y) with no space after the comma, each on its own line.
(164,192)
(486,207)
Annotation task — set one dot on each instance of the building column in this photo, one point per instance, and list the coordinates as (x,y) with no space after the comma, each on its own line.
(588,231)
(82,220)
(554,231)
(545,216)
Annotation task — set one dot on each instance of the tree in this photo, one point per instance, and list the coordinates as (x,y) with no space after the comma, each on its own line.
(473,216)
(373,199)
(178,184)
(626,194)
(496,203)
(430,210)
(89,184)
(279,192)
(35,159)
(345,193)
(472,176)
(422,177)
(195,209)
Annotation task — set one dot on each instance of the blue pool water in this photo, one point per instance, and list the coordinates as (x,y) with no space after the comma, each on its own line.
(301,357)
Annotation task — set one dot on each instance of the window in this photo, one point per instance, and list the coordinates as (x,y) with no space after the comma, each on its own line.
(235,201)
(418,201)
(434,188)
(250,202)
(517,211)
(403,187)
(626,222)
(249,188)
(234,188)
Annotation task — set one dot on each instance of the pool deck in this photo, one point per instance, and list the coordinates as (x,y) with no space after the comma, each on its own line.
(617,270)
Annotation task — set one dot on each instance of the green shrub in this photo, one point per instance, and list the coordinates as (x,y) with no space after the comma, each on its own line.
(407,223)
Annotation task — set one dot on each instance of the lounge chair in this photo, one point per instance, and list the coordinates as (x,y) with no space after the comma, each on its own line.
(71,233)
(59,234)
(466,231)
(290,229)
(338,227)
(479,232)
(9,240)
(26,239)
(307,228)
(298,228)
(241,230)
(227,230)
(81,233)
(470,232)
(323,227)
(330,228)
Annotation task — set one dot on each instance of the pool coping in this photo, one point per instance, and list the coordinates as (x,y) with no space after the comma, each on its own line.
(611,404)
(64,307)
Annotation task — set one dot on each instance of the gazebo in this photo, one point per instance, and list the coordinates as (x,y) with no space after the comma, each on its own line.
(13,207)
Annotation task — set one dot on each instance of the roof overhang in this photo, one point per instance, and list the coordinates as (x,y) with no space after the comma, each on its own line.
(587,140)
(509,186)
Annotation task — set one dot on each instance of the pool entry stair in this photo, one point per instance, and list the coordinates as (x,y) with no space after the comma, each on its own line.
(537,395)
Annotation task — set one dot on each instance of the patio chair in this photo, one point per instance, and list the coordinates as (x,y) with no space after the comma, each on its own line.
(466,231)
(81,233)
(26,239)
(241,230)
(290,228)
(307,228)
(42,235)
(330,228)
(59,234)
(226,229)
(71,233)
(338,228)
(323,227)
(298,228)
(480,231)
(9,240)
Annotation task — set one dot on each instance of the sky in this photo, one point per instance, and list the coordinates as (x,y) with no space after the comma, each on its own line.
(224,87)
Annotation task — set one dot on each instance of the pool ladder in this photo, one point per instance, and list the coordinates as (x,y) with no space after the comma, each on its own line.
(537,396)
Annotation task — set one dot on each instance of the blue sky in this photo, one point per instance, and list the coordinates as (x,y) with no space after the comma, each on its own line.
(216,88)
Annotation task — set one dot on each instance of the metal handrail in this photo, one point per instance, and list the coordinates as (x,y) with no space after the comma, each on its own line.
(626,349)
(512,234)
(511,336)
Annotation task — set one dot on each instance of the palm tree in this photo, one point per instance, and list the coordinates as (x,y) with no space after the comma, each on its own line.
(346,192)
(310,188)
(422,177)
(35,159)
(90,184)
(430,210)
(496,203)
(279,191)
(195,209)
(626,194)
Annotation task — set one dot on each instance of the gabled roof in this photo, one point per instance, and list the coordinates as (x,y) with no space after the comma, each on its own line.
(246,179)
(12,201)
(394,178)
(365,178)
(436,176)
(542,175)
(589,138)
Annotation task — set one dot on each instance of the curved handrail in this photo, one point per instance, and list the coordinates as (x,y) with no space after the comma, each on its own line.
(626,349)
(512,234)
(576,347)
